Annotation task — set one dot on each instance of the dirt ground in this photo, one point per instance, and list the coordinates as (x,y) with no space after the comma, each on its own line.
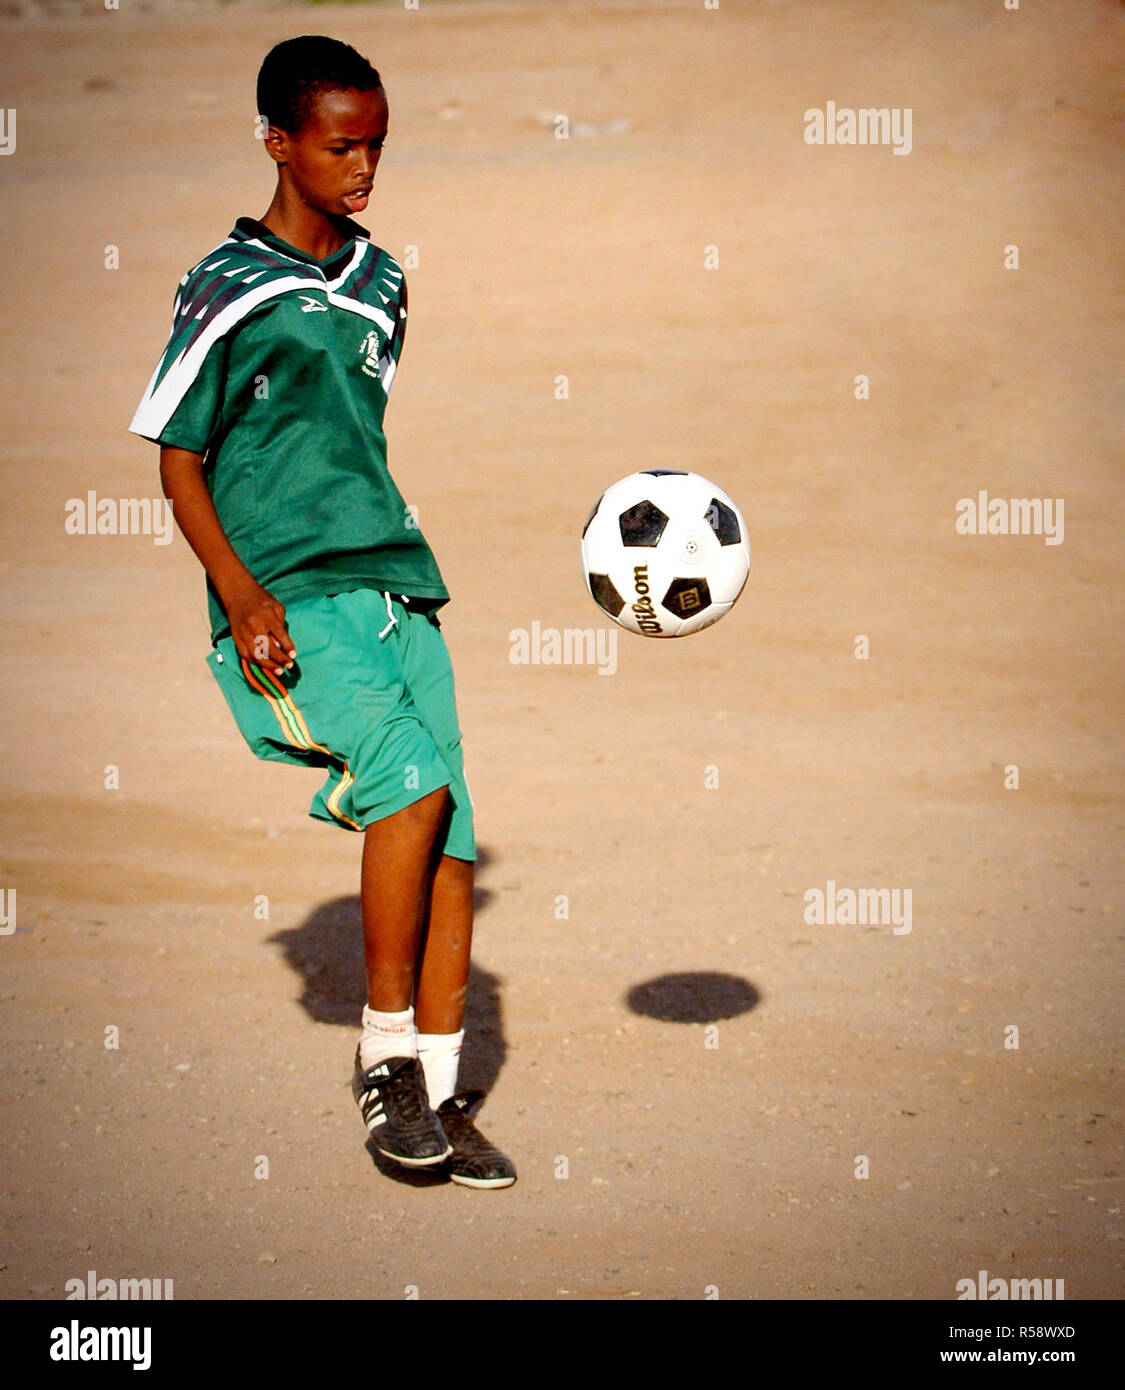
(659,1156)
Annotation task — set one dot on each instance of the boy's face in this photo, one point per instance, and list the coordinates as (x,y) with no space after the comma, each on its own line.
(332,161)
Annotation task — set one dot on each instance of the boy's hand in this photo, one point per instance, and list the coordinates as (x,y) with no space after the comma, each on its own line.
(257,625)
(257,620)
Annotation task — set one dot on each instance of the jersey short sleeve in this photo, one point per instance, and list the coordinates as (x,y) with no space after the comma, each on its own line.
(183,402)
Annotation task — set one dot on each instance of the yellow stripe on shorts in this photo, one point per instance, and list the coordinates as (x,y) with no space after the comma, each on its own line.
(296,732)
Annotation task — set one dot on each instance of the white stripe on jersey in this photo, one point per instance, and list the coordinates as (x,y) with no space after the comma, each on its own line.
(367,311)
(159,403)
(357,257)
(269,250)
(362,246)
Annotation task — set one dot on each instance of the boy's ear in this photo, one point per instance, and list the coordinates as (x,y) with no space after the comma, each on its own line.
(276,142)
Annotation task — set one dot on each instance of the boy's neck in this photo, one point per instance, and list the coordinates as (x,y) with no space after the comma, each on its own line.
(316,233)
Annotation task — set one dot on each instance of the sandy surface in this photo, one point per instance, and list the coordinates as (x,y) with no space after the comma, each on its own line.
(689,1165)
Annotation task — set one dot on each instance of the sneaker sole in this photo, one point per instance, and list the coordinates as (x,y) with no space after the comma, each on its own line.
(414,1162)
(481,1182)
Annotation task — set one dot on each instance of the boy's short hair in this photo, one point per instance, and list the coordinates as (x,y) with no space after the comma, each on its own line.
(297,71)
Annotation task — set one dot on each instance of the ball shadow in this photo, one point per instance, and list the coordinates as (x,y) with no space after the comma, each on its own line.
(698,996)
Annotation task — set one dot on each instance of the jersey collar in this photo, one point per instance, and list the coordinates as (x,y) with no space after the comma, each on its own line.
(251,227)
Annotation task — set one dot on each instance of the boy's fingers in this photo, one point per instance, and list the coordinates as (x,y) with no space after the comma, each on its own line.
(267,652)
(279,659)
(281,647)
(280,633)
(286,643)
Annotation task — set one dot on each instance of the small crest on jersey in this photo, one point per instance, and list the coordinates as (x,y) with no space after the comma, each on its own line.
(369,350)
(312,306)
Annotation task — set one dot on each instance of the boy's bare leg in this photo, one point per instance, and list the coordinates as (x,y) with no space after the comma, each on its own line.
(443,969)
(443,977)
(397,852)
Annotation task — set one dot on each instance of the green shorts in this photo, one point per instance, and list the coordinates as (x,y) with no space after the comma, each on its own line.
(370,697)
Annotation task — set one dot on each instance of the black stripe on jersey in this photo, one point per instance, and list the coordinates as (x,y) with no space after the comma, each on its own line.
(214,303)
(394,342)
(211,306)
(356,287)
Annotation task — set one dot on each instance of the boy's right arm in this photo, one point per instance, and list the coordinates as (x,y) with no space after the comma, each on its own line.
(253,613)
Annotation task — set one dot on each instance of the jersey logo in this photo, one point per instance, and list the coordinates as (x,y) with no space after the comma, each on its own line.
(369,350)
(312,306)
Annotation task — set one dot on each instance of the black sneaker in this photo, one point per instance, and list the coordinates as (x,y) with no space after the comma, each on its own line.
(392,1099)
(474,1161)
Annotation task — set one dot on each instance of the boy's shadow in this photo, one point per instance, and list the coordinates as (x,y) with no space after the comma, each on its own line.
(326,951)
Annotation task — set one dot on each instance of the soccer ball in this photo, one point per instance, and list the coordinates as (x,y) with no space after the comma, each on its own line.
(665,553)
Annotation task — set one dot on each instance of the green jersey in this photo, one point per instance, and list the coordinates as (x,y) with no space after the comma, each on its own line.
(277,371)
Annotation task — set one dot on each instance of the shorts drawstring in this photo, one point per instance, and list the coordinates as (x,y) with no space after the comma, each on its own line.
(393,620)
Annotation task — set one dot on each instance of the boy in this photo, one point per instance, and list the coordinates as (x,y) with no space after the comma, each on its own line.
(268,406)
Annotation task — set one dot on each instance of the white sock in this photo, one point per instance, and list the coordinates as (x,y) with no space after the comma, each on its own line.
(386,1035)
(440,1054)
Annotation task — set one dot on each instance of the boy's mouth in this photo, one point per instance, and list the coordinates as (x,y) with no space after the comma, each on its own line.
(357,201)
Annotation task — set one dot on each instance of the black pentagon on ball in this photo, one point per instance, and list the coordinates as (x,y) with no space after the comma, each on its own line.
(687,597)
(593,513)
(724,522)
(605,594)
(663,472)
(642,524)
